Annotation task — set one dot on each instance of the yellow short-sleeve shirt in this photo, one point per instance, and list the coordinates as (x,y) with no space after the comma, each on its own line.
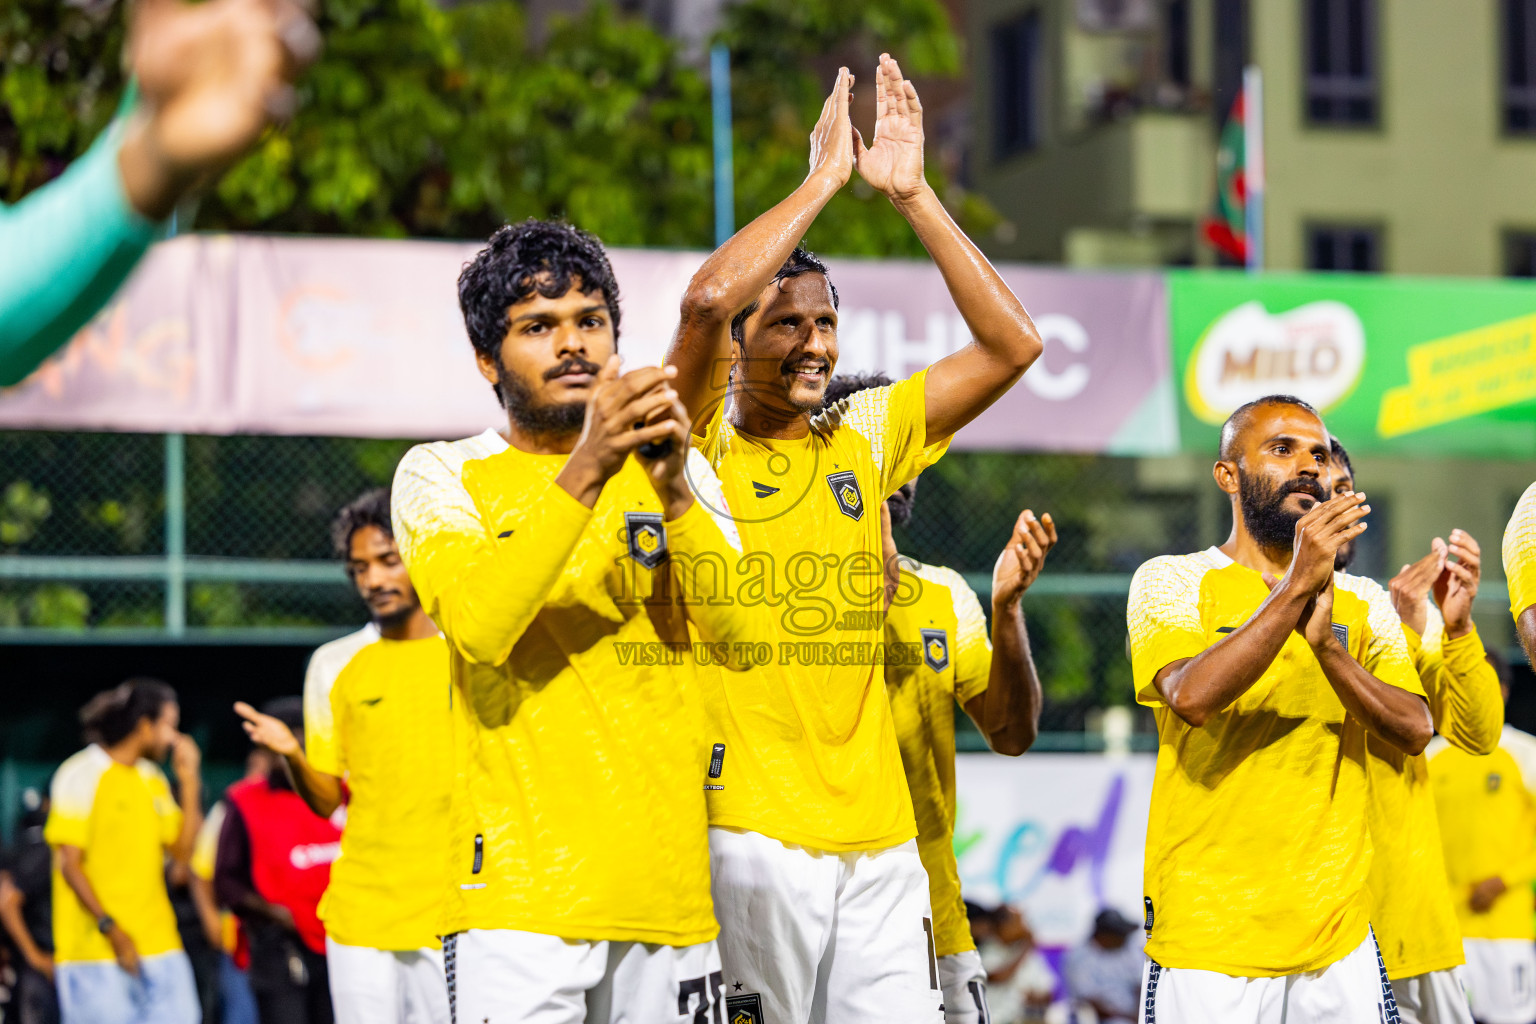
(121,818)
(810,758)
(1257,847)
(937,618)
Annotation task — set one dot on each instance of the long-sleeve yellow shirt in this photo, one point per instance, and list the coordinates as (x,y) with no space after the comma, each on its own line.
(1412,908)
(1487,829)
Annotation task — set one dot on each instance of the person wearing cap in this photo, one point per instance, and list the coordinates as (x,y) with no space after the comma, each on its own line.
(1105,971)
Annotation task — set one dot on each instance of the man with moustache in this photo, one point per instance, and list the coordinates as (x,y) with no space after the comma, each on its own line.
(1266,671)
(1413,914)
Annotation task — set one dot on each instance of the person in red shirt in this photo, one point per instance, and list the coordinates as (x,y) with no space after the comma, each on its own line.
(273,865)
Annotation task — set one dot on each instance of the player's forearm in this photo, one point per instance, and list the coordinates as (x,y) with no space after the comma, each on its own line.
(207,910)
(1209,682)
(1397,716)
(320,790)
(191,818)
(488,598)
(72,868)
(730,279)
(1006,341)
(1471,707)
(16,926)
(1012,699)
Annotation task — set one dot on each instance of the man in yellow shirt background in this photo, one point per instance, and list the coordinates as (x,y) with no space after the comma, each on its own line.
(818,883)
(551,554)
(1267,670)
(1487,811)
(1520,570)
(112,822)
(379,742)
(1413,913)
(933,610)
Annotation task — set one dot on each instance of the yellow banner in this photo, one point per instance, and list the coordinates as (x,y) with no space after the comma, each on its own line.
(1463,375)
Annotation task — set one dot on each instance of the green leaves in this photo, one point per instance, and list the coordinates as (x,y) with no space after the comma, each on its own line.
(425,121)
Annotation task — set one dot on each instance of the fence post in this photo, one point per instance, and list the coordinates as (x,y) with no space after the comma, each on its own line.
(10,799)
(175,534)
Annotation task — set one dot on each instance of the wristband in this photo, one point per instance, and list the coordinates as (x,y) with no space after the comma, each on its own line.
(105,924)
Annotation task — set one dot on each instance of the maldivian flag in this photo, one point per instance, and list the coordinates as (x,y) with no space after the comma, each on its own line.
(1226,228)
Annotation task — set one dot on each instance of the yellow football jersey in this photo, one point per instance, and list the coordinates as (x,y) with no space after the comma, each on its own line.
(937,613)
(1487,828)
(122,819)
(1412,913)
(580,740)
(1257,848)
(325,664)
(810,753)
(388,735)
(1520,553)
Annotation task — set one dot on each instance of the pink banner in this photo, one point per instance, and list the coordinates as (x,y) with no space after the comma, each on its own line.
(351,337)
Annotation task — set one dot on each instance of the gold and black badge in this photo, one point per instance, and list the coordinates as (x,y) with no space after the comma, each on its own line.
(647,533)
(845,488)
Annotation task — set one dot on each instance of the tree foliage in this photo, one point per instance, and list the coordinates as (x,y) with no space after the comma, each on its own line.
(421,120)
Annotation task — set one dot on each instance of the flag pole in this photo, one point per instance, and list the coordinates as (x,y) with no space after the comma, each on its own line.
(1253,172)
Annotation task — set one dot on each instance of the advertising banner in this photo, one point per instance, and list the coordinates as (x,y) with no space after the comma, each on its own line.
(1397,365)
(1059,836)
(363,337)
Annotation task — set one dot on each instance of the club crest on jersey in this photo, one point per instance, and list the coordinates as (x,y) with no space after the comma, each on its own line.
(1494,781)
(936,649)
(1341,631)
(845,488)
(746,1008)
(647,533)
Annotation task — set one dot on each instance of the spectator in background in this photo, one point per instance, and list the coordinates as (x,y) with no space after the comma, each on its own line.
(234,1003)
(26,911)
(272,866)
(209,78)
(118,957)
(1020,984)
(1105,972)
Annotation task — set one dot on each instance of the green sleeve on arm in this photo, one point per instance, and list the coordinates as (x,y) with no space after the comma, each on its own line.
(64,250)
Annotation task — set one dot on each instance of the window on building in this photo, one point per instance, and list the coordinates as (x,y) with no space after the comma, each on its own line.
(1229,56)
(1176,42)
(1343,247)
(1520,66)
(1520,253)
(1341,62)
(1016,74)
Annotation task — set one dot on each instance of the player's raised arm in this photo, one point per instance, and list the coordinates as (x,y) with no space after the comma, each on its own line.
(1008,711)
(734,275)
(961,385)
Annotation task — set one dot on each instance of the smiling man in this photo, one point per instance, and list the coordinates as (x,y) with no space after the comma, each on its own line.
(1267,670)
(819,888)
(578,851)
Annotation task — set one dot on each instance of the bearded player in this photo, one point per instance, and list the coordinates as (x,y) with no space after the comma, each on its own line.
(933,610)
(1267,672)
(818,882)
(579,856)
(1414,915)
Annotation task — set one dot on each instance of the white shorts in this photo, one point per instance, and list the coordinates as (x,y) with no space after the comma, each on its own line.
(1501,980)
(512,977)
(1353,990)
(808,935)
(964,983)
(1434,997)
(382,986)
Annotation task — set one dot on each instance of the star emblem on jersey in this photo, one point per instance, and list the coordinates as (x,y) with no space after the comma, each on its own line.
(647,533)
(845,488)
(936,649)
(746,1008)
(763,490)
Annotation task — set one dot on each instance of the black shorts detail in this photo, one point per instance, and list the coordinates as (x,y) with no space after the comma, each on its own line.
(1149,1011)
(450,971)
(1389,1014)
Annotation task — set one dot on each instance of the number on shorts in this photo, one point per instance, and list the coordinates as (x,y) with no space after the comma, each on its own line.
(709,1005)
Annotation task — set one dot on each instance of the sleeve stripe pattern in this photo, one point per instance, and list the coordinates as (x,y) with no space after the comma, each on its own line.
(1519,553)
(1386,627)
(1164,594)
(868,411)
(708,490)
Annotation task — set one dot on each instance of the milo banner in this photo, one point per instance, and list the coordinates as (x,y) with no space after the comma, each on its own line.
(1397,365)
